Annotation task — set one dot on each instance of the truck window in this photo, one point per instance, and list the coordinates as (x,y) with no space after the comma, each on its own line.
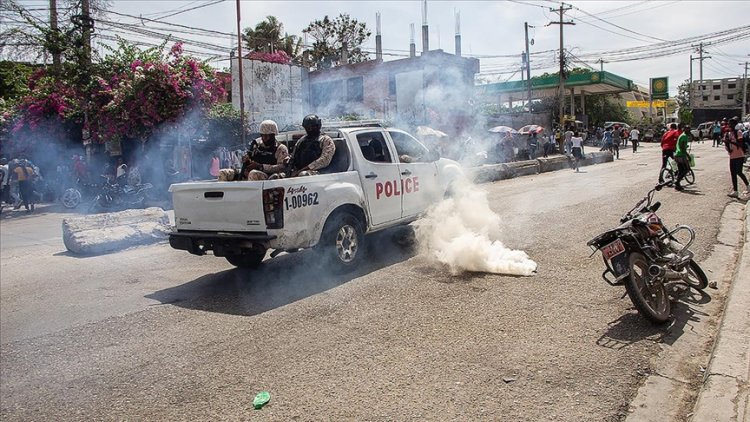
(374,147)
(408,148)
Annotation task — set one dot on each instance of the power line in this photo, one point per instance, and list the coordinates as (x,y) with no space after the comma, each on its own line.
(192,8)
(617,26)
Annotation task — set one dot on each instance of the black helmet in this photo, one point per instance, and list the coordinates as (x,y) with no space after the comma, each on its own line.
(312,123)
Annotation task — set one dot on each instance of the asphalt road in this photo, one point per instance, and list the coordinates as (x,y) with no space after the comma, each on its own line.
(157,334)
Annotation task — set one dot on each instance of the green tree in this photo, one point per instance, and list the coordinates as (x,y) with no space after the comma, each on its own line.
(333,37)
(685,113)
(27,37)
(14,80)
(267,37)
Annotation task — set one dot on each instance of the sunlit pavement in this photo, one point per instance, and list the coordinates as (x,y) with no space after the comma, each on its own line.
(154,333)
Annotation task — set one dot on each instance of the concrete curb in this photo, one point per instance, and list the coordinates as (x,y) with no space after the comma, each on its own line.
(109,232)
(670,390)
(725,390)
(493,172)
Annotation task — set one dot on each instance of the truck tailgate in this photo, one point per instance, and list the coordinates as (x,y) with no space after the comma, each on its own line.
(219,206)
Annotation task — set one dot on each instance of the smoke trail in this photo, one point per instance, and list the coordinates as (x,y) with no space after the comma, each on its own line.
(462,232)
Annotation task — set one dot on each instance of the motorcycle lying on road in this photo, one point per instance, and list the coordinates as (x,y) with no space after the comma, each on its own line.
(115,196)
(646,257)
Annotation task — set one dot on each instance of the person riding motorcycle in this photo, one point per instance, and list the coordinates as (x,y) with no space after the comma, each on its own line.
(313,152)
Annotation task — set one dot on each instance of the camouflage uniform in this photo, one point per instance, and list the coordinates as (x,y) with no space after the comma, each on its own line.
(268,170)
(327,150)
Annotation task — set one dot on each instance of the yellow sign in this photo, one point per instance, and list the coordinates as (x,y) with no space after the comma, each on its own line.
(644,104)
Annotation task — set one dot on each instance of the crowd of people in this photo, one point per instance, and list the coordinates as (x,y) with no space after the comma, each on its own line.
(733,134)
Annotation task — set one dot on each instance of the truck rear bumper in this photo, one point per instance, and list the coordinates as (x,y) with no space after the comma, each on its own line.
(198,243)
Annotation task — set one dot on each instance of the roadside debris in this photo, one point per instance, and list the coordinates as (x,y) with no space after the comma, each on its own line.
(261,399)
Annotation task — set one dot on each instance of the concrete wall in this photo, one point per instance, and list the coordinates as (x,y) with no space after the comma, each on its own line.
(271,90)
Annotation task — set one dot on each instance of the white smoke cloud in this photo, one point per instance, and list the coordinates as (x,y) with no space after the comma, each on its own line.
(463,233)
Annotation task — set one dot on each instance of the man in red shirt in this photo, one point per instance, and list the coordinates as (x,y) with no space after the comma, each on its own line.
(668,145)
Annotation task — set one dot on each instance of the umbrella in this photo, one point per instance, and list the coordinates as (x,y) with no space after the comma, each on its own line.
(530,129)
(503,129)
(428,131)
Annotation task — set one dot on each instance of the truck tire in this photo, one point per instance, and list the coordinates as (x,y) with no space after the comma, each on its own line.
(342,243)
(251,258)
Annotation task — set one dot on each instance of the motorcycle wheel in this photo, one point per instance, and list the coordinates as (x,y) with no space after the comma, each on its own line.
(690,177)
(696,277)
(71,198)
(651,301)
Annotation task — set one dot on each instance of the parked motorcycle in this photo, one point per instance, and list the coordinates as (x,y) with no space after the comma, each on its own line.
(80,192)
(646,257)
(114,196)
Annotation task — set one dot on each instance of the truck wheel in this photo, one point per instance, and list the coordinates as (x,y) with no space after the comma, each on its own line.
(247,259)
(342,244)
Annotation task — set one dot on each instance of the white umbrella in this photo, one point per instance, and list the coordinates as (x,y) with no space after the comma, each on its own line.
(503,129)
(428,131)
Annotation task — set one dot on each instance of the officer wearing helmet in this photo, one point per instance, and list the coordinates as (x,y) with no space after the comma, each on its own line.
(314,151)
(268,157)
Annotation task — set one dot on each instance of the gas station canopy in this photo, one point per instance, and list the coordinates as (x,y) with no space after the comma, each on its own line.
(590,83)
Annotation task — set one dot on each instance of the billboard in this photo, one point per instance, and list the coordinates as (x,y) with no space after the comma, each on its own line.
(660,88)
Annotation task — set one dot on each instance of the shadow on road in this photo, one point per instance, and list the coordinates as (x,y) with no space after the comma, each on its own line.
(280,281)
(632,327)
(8,213)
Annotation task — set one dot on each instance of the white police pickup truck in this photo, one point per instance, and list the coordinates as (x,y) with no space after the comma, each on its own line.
(368,186)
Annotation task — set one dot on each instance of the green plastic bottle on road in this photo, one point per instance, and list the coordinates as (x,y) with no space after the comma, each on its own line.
(261,399)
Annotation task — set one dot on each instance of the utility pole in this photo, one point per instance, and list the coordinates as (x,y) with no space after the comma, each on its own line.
(690,85)
(528,63)
(240,80)
(561,11)
(88,25)
(700,57)
(55,34)
(601,64)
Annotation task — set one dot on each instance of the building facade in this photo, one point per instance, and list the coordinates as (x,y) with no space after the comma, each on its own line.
(717,93)
(433,88)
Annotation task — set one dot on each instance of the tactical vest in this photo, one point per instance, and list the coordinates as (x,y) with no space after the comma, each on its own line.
(306,151)
(264,155)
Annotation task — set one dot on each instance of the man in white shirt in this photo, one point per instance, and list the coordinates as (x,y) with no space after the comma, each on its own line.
(4,178)
(634,138)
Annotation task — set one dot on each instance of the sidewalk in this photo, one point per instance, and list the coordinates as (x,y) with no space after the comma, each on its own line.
(724,393)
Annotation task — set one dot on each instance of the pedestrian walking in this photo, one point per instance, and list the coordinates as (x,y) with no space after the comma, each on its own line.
(532,145)
(734,147)
(625,135)
(634,139)
(576,143)
(607,140)
(668,146)
(24,173)
(616,140)
(716,134)
(4,179)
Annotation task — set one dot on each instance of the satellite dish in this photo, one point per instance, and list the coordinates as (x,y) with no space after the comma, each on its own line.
(532,41)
